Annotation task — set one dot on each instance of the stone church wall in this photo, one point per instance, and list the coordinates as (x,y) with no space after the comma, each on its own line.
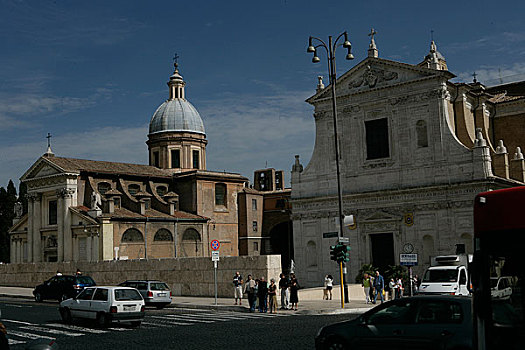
(185,276)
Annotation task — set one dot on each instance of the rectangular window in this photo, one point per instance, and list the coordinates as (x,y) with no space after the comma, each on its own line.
(117,202)
(377,139)
(175,158)
(254,226)
(196,161)
(220,194)
(52,218)
(254,204)
(156,159)
(255,246)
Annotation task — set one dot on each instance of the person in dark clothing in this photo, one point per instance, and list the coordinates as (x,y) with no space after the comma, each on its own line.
(262,293)
(294,287)
(249,288)
(285,295)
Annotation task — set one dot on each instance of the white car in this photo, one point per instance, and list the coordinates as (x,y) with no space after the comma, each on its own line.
(105,305)
(500,287)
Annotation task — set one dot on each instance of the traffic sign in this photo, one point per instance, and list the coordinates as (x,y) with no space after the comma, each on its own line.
(408,259)
(215,244)
(215,255)
(344,240)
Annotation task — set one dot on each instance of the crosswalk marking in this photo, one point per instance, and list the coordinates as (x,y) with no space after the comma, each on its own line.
(77,328)
(173,321)
(14,342)
(188,318)
(51,331)
(28,335)
(20,322)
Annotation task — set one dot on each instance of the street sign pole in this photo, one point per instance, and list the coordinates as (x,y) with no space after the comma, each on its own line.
(342,285)
(215,245)
(215,277)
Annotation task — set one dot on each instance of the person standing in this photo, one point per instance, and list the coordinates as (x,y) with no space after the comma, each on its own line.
(367,284)
(272,296)
(285,295)
(329,284)
(237,284)
(399,288)
(294,287)
(392,289)
(249,288)
(262,293)
(379,287)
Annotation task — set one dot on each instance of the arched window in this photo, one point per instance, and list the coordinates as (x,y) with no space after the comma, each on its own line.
(103,187)
(466,239)
(421,132)
(220,194)
(163,235)
(428,248)
(133,189)
(311,254)
(191,234)
(132,235)
(162,190)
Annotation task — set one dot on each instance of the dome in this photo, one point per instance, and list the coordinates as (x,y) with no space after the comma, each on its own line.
(176,115)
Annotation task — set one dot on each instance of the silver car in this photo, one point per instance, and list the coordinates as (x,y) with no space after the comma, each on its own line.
(155,293)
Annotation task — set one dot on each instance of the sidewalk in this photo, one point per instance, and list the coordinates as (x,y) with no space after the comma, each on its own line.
(310,302)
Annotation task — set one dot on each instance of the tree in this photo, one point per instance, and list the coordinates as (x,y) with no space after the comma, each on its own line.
(8,199)
(365,268)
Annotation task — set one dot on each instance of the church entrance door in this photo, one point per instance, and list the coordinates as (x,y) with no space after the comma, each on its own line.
(382,250)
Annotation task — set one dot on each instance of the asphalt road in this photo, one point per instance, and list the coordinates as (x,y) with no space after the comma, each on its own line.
(27,321)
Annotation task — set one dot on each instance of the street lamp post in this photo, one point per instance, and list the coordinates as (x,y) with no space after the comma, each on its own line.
(330,52)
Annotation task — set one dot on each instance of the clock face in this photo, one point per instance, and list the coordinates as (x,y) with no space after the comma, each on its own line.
(408,248)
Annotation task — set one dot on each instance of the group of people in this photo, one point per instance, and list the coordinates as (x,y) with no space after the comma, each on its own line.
(263,296)
(374,287)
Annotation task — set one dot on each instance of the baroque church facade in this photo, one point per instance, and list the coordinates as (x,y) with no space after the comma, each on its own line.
(415,150)
(86,210)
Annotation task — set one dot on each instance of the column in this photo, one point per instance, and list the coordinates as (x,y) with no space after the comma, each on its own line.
(68,238)
(12,251)
(30,219)
(60,226)
(89,240)
(37,224)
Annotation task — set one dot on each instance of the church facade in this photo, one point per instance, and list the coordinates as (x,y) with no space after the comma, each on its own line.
(415,150)
(86,210)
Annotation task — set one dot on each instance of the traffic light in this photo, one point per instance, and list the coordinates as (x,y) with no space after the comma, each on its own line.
(333,252)
(344,254)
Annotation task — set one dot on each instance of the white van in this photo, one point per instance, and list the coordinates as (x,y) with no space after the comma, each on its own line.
(445,279)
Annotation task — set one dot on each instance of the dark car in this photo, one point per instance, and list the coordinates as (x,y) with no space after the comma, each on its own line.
(155,293)
(62,287)
(422,322)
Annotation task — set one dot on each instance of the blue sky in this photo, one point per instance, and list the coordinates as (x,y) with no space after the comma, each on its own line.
(92,73)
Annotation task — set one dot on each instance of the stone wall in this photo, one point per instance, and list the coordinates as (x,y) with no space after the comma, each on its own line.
(185,276)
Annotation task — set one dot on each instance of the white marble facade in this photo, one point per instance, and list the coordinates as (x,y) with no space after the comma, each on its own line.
(420,191)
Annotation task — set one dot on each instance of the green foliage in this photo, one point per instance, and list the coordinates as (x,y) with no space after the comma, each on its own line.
(395,272)
(365,268)
(7,204)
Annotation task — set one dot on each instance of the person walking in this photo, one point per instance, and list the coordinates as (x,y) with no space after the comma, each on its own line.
(285,295)
(249,288)
(367,284)
(328,286)
(237,283)
(272,296)
(379,287)
(262,293)
(294,287)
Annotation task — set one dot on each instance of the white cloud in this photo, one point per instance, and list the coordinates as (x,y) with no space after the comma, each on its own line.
(490,75)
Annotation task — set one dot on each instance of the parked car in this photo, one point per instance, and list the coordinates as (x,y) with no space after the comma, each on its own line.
(105,305)
(500,287)
(62,287)
(422,322)
(155,293)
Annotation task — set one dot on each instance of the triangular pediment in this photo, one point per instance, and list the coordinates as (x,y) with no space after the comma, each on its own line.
(381,215)
(373,73)
(20,225)
(41,168)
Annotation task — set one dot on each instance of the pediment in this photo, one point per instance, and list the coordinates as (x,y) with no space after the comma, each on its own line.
(381,216)
(21,225)
(40,169)
(373,73)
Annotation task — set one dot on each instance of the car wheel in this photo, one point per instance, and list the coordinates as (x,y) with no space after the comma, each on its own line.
(102,320)
(335,343)
(38,297)
(66,315)
(136,323)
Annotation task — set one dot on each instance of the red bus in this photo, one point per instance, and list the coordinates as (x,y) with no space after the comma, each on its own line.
(498,269)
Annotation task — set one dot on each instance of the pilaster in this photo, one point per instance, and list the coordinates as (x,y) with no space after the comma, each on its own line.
(37,224)
(66,196)
(30,199)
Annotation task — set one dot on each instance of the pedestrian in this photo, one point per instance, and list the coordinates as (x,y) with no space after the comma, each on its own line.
(294,287)
(328,282)
(237,283)
(262,293)
(256,294)
(399,288)
(417,283)
(59,273)
(272,296)
(379,287)
(392,289)
(249,288)
(78,273)
(285,295)
(367,284)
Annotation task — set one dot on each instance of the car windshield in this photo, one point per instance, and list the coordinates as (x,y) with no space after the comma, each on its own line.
(85,280)
(445,275)
(159,286)
(127,294)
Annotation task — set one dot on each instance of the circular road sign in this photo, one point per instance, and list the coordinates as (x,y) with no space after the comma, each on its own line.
(215,244)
